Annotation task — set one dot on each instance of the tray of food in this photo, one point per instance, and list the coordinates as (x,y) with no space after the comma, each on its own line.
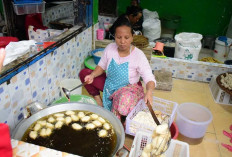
(140,117)
(224,81)
(144,142)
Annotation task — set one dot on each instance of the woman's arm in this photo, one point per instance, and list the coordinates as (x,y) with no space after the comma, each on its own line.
(150,86)
(97,71)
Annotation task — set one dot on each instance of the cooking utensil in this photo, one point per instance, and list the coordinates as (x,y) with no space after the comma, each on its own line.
(152,113)
(118,128)
(67,92)
(158,123)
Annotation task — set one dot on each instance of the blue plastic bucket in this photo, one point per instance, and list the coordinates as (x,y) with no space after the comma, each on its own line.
(96,58)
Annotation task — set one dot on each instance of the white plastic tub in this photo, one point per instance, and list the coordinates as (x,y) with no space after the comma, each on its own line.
(70,84)
(188,46)
(222,51)
(193,119)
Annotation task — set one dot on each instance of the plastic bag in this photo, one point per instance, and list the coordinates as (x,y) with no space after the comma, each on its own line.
(150,14)
(152,29)
(17,49)
(188,46)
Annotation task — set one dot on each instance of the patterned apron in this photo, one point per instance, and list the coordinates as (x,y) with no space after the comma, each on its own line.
(117,77)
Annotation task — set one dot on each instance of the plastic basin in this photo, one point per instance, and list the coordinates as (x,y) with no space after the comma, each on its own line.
(192,120)
(70,84)
(76,98)
(174,131)
(96,58)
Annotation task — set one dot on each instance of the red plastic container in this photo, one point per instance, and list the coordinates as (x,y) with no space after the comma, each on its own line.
(174,131)
(48,43)
(4,41)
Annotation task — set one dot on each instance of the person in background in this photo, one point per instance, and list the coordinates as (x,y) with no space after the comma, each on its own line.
(124,65)
(132,15)
(138,26)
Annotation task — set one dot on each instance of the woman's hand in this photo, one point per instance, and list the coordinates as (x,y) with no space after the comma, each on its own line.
(89,78)
(150,86)
(148,97)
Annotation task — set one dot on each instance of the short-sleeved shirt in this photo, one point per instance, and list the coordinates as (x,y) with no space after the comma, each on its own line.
(138,63)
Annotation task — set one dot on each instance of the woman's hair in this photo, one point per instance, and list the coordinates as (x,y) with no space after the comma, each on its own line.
(123,21)
(133,10)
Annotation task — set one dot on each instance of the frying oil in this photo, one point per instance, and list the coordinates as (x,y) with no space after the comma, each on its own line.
(83,142)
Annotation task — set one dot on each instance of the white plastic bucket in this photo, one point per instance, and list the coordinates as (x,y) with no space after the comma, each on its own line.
(188,46)
(222,51)
(70,84)
(193,119)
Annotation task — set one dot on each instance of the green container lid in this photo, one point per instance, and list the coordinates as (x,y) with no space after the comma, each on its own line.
(76,98)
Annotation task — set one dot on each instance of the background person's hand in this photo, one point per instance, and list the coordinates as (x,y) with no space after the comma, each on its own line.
(89,79)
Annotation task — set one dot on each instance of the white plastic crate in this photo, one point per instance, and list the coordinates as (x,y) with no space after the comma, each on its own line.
(176,148)
(29,8)
(165,106)
(219,95)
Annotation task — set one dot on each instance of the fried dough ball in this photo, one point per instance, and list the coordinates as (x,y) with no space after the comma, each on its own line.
(33,134)
(48,131)
(97,123)
(42,123)
(51,119)
(76,126)
(59,124)
(49,125)
(102,133)
(90,126)
(106,126)
(74,117)
(94,116)
(102,120)
(37,127)
(60,119)
(69,113)
(59,115)
(43,132)
(68,120)
(81,114)
(85,118)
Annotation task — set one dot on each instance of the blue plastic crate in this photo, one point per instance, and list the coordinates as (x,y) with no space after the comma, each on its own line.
(27,1)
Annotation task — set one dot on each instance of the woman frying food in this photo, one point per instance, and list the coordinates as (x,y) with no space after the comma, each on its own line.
(124,65)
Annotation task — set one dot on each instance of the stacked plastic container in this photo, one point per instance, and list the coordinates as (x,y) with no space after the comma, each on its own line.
(22,7)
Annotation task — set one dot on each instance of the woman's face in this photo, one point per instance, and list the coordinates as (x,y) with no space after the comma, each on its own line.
(123,37)
(135,19)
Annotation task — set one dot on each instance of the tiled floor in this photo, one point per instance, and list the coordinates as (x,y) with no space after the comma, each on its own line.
(197,92)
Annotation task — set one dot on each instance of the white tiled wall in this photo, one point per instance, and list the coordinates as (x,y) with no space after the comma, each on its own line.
(57,12)
(190,70)
(40,81)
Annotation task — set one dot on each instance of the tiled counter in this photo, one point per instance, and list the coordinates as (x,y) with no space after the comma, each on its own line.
(22,149)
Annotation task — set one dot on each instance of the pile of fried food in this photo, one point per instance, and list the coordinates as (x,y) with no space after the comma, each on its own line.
(211,60)
(227,81)
(145,118)
(160,141)
(140,41)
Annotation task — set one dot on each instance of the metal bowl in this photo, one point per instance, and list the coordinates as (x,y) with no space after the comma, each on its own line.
(119,130)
